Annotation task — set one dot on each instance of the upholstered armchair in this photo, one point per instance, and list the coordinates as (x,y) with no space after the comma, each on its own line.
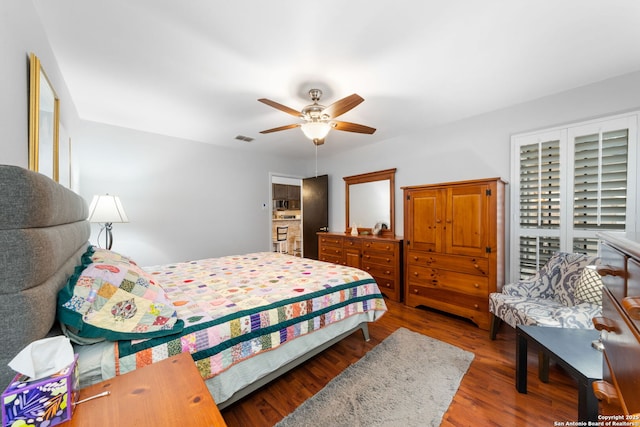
(563,293)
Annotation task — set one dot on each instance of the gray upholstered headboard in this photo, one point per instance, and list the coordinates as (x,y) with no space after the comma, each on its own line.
(43,234)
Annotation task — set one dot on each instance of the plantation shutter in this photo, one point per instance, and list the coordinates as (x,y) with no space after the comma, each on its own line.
(539,184)
(600,182)
(572,183)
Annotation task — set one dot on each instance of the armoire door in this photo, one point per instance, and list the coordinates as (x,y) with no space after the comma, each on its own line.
(425,214)
(467,220)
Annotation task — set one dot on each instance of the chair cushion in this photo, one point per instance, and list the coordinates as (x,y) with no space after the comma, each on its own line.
(515,310)
(589,288)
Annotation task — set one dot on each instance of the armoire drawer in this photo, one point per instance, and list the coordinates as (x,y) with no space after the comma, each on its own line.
(452,280)
(465,264)
(419,294)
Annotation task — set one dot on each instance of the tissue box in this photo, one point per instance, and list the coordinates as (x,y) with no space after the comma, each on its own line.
(44,402)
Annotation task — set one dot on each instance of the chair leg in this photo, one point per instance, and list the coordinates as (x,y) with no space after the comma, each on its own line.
(494,326)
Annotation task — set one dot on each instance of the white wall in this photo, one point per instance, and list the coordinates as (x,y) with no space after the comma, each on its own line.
(185,200)
(21,33)
(189,200)
(477,147)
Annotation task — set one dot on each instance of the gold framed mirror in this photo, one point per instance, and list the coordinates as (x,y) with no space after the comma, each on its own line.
(44,119)
(369,200)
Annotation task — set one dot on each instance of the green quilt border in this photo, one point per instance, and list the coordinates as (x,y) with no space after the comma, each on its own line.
(126,348)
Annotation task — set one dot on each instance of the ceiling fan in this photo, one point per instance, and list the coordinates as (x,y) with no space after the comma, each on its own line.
(318,119)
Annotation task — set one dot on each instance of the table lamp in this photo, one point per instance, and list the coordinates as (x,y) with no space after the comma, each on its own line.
(106,209)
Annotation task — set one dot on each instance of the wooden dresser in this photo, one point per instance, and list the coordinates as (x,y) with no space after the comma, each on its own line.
(454,246)
(379,256)
(620,326)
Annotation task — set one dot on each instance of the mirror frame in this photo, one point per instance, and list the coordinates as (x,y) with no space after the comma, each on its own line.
(387,174)
(38,80)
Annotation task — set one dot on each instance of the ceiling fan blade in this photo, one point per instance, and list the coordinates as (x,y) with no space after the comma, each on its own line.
(280,107)
(342,105)
(352,127)
(280,128)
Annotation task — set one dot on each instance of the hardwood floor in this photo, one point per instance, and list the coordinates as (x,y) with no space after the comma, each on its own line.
(486,397)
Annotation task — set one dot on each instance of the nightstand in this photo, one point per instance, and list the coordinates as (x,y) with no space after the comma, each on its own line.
(167,393)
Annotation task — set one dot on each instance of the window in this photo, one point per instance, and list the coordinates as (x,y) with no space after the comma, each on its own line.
(568,184)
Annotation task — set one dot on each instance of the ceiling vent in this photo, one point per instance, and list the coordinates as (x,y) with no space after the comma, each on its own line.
(244,138)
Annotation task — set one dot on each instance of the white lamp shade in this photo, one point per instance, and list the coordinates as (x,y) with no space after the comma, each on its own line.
(107,209)
(315,130)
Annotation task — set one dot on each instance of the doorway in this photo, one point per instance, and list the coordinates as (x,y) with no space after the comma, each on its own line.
(302,206)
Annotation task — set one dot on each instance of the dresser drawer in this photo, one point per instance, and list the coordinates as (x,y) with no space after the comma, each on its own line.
(380,259)
(386,284)
(452,280)
(335,259)
(633,292)
(353,243)
(331,241)
(380,246)
(633,278)
(622,351)
(379,270)
(470,265)
(613,269)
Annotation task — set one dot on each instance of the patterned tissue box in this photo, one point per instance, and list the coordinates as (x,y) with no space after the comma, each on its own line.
(45,402)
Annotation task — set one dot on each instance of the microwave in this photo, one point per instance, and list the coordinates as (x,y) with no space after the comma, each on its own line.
(281,204)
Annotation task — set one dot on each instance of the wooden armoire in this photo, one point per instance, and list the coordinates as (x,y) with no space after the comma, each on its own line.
(454,246)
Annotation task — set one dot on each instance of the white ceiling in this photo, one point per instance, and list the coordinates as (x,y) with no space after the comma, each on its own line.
(194,69)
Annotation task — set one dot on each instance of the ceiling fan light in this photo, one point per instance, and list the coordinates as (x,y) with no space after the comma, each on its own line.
(315,130)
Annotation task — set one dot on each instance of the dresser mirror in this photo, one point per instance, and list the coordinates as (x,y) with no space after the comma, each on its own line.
(369,200)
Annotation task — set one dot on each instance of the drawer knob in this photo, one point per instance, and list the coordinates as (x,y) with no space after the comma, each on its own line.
(604,324)
(476,306)
(476,285)
(606,391)
(415,273)
(606,270)
(387,272)
(632,306)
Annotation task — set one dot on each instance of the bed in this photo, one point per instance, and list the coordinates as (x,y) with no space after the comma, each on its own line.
(245,319)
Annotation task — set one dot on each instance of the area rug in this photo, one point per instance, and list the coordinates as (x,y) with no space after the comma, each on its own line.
(407,380)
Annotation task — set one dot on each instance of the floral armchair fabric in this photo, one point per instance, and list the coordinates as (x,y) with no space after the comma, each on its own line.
(563,293)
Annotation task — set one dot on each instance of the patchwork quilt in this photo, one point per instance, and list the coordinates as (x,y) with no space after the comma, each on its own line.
(238,306)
